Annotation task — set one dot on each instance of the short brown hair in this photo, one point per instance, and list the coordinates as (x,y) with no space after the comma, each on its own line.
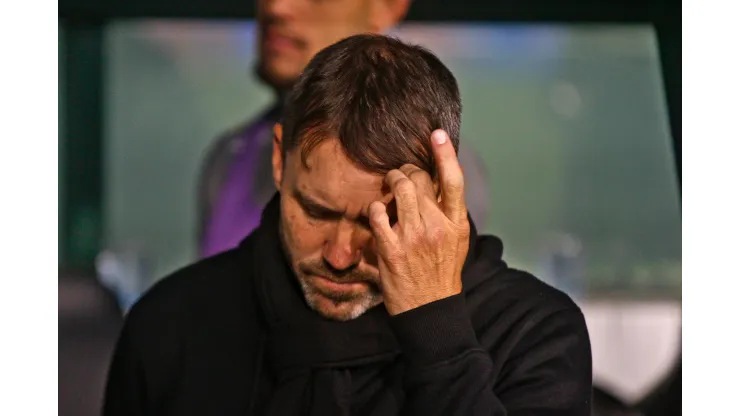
(380,97)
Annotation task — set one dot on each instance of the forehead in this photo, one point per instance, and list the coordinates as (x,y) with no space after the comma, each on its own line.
(329,175)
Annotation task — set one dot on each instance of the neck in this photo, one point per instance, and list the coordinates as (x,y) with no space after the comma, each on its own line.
(280,89)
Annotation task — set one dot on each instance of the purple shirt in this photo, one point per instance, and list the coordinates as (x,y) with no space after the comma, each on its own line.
(237,183)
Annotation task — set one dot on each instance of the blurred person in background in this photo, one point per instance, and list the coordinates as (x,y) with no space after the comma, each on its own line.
(366,288)
(234,183)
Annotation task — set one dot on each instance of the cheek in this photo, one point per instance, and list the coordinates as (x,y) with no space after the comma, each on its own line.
(330,27)
(370,254)
(305,235)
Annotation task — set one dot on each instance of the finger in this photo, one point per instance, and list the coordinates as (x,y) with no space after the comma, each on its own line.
(422,180)
(452,182)
(404,193)
(385,237)
(426,194)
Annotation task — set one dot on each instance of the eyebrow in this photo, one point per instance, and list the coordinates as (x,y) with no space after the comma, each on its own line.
(314,207)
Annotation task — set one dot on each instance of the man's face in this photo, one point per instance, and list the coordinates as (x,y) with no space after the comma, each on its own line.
(291,32)
(325,229)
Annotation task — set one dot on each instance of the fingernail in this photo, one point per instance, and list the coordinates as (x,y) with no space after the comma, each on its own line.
(439,136)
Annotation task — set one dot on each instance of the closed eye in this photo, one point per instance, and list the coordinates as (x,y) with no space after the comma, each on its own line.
(315,210)
(321,214)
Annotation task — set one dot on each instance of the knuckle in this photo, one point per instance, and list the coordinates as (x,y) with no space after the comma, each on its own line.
(377,220)
(419,174)
(408,168)
(456,183)
(405,188)
(436,234)
(393,176)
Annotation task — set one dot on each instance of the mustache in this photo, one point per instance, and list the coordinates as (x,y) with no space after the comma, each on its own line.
(353,275)
(275,25)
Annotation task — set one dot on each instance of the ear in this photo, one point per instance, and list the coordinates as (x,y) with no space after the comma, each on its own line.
(385,14)
(277,155)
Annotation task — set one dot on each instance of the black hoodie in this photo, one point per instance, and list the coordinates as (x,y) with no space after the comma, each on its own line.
(231,335)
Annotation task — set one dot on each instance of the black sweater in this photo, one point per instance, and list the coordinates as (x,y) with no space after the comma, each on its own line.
(203,341)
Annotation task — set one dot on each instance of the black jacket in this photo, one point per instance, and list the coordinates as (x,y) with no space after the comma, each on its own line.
(230,335)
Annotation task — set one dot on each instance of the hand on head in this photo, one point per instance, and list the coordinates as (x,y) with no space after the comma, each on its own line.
(421,256)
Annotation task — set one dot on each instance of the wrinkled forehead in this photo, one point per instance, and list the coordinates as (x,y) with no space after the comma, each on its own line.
(330,176)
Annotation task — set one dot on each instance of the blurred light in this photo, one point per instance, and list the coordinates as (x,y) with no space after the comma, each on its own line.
(565,100)
(125,272)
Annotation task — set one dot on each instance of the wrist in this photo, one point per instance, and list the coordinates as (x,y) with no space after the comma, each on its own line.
(410,302)
(435,331)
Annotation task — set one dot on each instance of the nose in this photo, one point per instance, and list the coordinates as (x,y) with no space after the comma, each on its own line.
(343,250)
(278,8)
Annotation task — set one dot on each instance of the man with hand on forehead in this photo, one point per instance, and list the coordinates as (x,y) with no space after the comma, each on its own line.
(366,288)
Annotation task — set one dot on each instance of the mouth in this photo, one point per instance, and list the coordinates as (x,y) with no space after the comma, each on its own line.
(330,286)
(276,41)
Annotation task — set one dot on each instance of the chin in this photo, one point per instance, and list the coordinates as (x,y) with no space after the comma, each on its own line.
(280,77)
(342,310)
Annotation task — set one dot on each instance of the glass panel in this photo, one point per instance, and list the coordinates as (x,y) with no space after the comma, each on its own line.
(569,122)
